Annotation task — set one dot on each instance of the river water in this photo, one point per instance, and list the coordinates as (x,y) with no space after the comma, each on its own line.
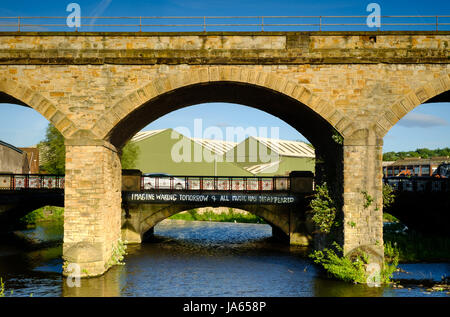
(195,259)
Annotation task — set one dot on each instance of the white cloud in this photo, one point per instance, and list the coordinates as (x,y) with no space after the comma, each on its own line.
(421,120)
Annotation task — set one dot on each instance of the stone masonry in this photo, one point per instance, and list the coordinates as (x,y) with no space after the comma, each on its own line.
(99,89)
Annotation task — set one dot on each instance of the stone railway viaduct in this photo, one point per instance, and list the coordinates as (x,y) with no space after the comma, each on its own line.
(99,89)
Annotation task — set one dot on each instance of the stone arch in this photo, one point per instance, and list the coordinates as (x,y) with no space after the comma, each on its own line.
(429,92)
(214,74)
(272,217)
(14,92)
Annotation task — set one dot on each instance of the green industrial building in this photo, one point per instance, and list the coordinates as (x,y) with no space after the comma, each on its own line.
(167,151)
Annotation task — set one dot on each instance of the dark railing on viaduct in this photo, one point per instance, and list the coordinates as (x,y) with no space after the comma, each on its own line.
(216,183)
(418,184)
(156,183)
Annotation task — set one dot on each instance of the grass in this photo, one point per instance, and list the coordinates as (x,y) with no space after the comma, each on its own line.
(2,288)
(47,213)
(389,218)
(228,216)
(416,247)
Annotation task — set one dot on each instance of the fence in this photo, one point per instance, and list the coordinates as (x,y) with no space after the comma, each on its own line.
(418,184)
(195,183)
(215,183)
(227,23)
(31,181)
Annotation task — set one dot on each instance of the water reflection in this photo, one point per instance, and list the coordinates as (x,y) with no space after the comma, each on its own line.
(194,259)
(107,285)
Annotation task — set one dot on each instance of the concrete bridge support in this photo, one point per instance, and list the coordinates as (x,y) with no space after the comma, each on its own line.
(92,205)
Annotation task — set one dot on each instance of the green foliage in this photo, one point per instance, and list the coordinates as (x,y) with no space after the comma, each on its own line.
(228,216)
(56,214)
(337,138)
(130,153)
(368,200)
(323,208)
(355,270)
(118,251)
(341,267)
(2,288)
(423,153)
(53,151)
(389,218)
(413,246)
(388,195)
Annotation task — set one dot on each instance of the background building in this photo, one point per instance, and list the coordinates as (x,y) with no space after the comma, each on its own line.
(269,157)
(12,159)
(32,159)
(414,166)
(167,151)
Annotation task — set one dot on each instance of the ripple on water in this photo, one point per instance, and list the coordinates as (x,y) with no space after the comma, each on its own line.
(197,259)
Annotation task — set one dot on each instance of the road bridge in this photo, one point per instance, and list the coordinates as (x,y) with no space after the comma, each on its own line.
(280,201)
(342,90)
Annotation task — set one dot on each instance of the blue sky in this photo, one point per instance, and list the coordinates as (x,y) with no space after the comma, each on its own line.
(427,126)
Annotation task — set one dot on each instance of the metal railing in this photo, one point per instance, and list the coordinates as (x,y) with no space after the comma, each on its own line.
(194,183)
(230,23)
(418,184)
(215,183)
(31,181)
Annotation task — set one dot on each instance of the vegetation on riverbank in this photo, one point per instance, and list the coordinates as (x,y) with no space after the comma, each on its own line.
(2,288)
(357,268)
(416,247)
(47,213)
(229,216)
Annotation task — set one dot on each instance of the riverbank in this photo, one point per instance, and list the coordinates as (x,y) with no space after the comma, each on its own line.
(218,215)
(414,247)
(411,246)
(47,213)
(202,259)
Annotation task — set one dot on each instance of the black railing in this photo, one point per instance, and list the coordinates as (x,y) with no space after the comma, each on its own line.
(418,184)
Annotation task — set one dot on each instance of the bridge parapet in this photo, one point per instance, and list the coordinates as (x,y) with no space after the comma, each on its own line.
(31,181)
(133,180)
(418,184)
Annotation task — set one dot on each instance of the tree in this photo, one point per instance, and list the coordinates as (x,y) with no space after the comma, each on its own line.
(130,153)
(423,153)
(53,151)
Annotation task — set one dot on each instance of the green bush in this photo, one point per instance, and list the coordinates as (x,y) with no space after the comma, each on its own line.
(2,288)
(323,209)
(388,195)
(354,269)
